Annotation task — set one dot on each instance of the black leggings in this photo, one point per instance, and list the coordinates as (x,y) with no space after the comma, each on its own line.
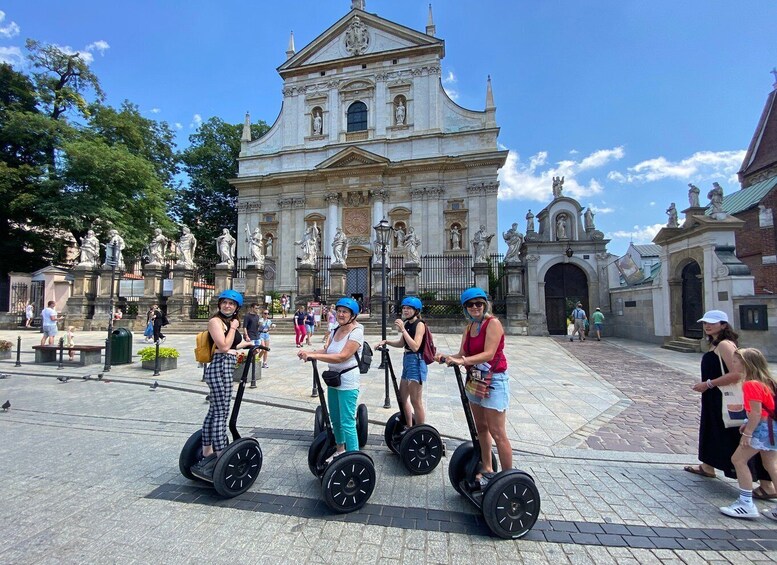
(158,330)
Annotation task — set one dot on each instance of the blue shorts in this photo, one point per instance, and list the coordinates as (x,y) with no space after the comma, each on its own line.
(760,439)
(598,327)
(264,336)
(413,368)
(499,399)
(49,330)
(309,328)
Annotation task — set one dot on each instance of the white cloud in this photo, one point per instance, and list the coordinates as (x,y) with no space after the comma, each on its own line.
(10,30)
(707,165)
(532,181)
(639,235)
(196,121)
(178,125)
(155,110)
(597,210)
(447,82)
(11,55)
(84,55)
(652,203)
(100,46)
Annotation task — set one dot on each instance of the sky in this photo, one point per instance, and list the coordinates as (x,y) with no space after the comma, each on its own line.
(629,100)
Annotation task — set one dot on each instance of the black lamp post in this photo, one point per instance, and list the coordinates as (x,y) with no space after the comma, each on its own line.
(111,258)
(383,236)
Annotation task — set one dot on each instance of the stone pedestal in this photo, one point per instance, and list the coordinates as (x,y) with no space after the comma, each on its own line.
(223,277)
(305,284)
(517,322)
(102,304)
(152,281)
(179,304)
(254,284)
(80,304)
(692,211)
(337,277)
(481,276)
(412,279)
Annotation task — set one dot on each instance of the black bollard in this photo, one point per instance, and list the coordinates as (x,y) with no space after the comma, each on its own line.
(204,367)
(107,366)
(18,351)
(156,360)
(61,351)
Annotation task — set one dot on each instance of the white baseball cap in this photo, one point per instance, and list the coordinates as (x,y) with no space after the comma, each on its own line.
(714,316)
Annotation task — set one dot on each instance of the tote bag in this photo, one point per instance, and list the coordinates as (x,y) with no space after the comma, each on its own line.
(733,409)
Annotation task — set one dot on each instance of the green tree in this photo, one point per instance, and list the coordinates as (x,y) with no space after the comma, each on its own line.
(207,204)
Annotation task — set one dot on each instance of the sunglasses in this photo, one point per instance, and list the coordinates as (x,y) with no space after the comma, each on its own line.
(265,312)
(474,304)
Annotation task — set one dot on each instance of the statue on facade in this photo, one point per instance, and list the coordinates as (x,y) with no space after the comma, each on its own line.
(589,219)
(672,213)
(155,249)
(309,245)
(716,199)
(339,248)
(455,237)
(254,241)
(412,243)
(90,250)
(693,195)
(514,240)
(399,113)
(480,243)
(268,246)
(558,186)
(225,247)
(187,245)
(561,226)
(399,235)
(318,124)
(529,222)
(114,239)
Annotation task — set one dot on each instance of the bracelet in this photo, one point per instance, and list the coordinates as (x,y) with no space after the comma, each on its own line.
(745,435)
(709,384)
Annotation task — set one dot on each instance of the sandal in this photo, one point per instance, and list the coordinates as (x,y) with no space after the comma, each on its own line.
(761,494)
(697,470)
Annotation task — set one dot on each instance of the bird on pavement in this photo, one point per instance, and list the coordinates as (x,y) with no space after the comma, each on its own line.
(99,376)
(4,375)
(6,405)
(87,377)
(63,378)
(155,385)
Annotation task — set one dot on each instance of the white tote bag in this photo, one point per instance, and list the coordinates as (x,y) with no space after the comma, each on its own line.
(733,409)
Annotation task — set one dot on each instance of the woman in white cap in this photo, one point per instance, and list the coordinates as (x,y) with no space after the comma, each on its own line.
(717,443)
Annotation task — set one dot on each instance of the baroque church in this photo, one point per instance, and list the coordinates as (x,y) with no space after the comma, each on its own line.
(366,132)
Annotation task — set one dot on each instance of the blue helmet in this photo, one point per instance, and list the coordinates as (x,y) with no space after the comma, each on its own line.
(349,303)
(232,295)
(413,302)
(471,293)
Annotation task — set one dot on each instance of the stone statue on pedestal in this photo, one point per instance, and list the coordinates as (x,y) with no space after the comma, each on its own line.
(716,199)
(317,124)
(455,238)
(115,239)
(155,249)
(480,243)
(672,213)
(309,245)
(225,247)
(339,248)
(558,186)
(412,242)
(254,241)
(529,222)
(693,195)
(514,240)
(90,250)
(187,245)
(268,246)
(561,227)
(400,113)
(589,219)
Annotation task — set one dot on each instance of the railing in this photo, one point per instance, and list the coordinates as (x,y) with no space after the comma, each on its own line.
(443,278)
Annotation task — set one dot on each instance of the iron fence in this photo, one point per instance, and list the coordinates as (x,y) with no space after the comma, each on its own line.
(203,288)
(497,284)
(19,298)
(321,289)
(443,278)
(395,282)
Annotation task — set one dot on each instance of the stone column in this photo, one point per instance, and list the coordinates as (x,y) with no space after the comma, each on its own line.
(412,279)
(305,281)
(337,277)
(222,280)
(517,323)
(254,284)
(377,289)
(179,304)
(332,221)
(153,273)
(481,275)
(102,304)
(79,305)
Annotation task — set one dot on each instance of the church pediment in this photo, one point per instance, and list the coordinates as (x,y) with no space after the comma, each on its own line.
(358,34)
(352,157)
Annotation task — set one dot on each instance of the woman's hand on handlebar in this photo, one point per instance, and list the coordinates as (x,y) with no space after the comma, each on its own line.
(305,355)
(449,360)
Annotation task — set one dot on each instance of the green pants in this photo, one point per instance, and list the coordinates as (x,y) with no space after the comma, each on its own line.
(342,412)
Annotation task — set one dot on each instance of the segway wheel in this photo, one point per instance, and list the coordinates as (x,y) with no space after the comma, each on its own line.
(318,452)
(511,504)
(457,467)
(237,467)
(421,449)
(190,454)
(348,482)
(318,422)
(362,424)
(392,425)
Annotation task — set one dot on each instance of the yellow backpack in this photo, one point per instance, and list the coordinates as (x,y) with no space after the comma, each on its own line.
(203,349)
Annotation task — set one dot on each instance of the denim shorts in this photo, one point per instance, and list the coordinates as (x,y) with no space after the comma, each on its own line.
(499,399)
(598,327)
(760,439)
(309,328)
(49,330)
(413,368)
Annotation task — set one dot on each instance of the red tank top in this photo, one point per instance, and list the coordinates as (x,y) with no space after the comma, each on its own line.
(477,344)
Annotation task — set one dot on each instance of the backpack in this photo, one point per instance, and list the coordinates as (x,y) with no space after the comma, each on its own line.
(365,360)
(203,349)
(428,350)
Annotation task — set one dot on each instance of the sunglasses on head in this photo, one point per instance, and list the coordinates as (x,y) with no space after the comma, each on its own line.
(478,304)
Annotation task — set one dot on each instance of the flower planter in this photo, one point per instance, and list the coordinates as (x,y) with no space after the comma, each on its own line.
(6,354)
(238,374)
(165,364)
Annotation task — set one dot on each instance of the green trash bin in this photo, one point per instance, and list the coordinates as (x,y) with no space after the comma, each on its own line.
(121,346)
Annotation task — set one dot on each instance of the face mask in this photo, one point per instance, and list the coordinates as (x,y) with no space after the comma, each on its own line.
(226,315)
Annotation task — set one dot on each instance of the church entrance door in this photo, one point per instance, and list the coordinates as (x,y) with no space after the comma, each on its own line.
(565,286)
(693,301)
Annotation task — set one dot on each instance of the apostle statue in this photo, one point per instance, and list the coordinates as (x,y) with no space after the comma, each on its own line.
(399,235)
(558,186)
(716,198)
(187,245)
(693,195)
(317,124)
(254,241)
(589,219)
(268,246)
(90,250)
(225,247)
(339,248)
(399,113)
(514,239)
(480,243)
(455,237)
(412,243)
(155,249)
(309,245)
(672,213)
(114,247)
(529,222)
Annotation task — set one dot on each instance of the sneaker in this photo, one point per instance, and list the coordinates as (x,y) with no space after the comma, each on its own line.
(333,456)
(771,513)
(265,366)
(253,385)
(203,469)
(571,340)
(740,510)
(162,340)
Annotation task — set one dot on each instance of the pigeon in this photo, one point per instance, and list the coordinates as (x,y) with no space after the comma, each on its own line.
(63,378)
(87,377)
(6,405)
(155,385)
(4,375)
(99,376)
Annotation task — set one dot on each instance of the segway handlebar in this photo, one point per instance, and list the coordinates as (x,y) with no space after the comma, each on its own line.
(257,346)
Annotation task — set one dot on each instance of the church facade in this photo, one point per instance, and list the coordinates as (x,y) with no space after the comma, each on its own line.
(366,132)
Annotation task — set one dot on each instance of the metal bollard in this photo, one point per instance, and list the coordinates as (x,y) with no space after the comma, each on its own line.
(18,352)
(204,367)
(61,352)
(156,360)
(107,366)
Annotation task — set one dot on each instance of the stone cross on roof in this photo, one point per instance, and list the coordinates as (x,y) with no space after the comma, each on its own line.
(774,72)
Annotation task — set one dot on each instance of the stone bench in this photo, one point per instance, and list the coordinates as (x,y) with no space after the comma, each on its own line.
(88,354)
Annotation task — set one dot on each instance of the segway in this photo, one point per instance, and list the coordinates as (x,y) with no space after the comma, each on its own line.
(239,464)
(361,423)
(420,447)
(509,501)
(348,480)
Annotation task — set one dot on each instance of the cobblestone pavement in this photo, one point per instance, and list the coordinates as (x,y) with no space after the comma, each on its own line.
(90,469)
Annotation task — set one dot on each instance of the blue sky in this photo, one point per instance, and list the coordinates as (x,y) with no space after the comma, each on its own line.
(630,100)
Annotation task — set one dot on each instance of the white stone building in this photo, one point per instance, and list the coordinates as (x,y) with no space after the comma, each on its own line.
(366,131)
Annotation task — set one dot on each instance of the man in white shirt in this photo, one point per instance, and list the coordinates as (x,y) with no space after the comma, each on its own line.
(49,319)
(578,318)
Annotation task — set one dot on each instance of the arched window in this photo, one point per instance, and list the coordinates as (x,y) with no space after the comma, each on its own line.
(357,117)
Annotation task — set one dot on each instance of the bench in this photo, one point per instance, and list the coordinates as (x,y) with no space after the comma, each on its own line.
(88,354)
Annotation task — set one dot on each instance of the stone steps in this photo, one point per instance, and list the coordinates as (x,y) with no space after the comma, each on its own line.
(683,345)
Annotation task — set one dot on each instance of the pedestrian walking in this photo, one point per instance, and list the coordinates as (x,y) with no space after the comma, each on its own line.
(578,318)
(285,301)
(70,341)
(598,319)
(29,314)
(49,318)
(299,325)
(265,326)
(310,325)
(159,320)
(148,333)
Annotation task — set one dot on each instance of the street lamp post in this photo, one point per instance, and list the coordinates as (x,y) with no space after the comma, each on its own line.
(383,235)
(111,259)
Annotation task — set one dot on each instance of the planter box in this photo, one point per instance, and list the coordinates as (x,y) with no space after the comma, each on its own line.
(165,364)
(6,354)
(238,374)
